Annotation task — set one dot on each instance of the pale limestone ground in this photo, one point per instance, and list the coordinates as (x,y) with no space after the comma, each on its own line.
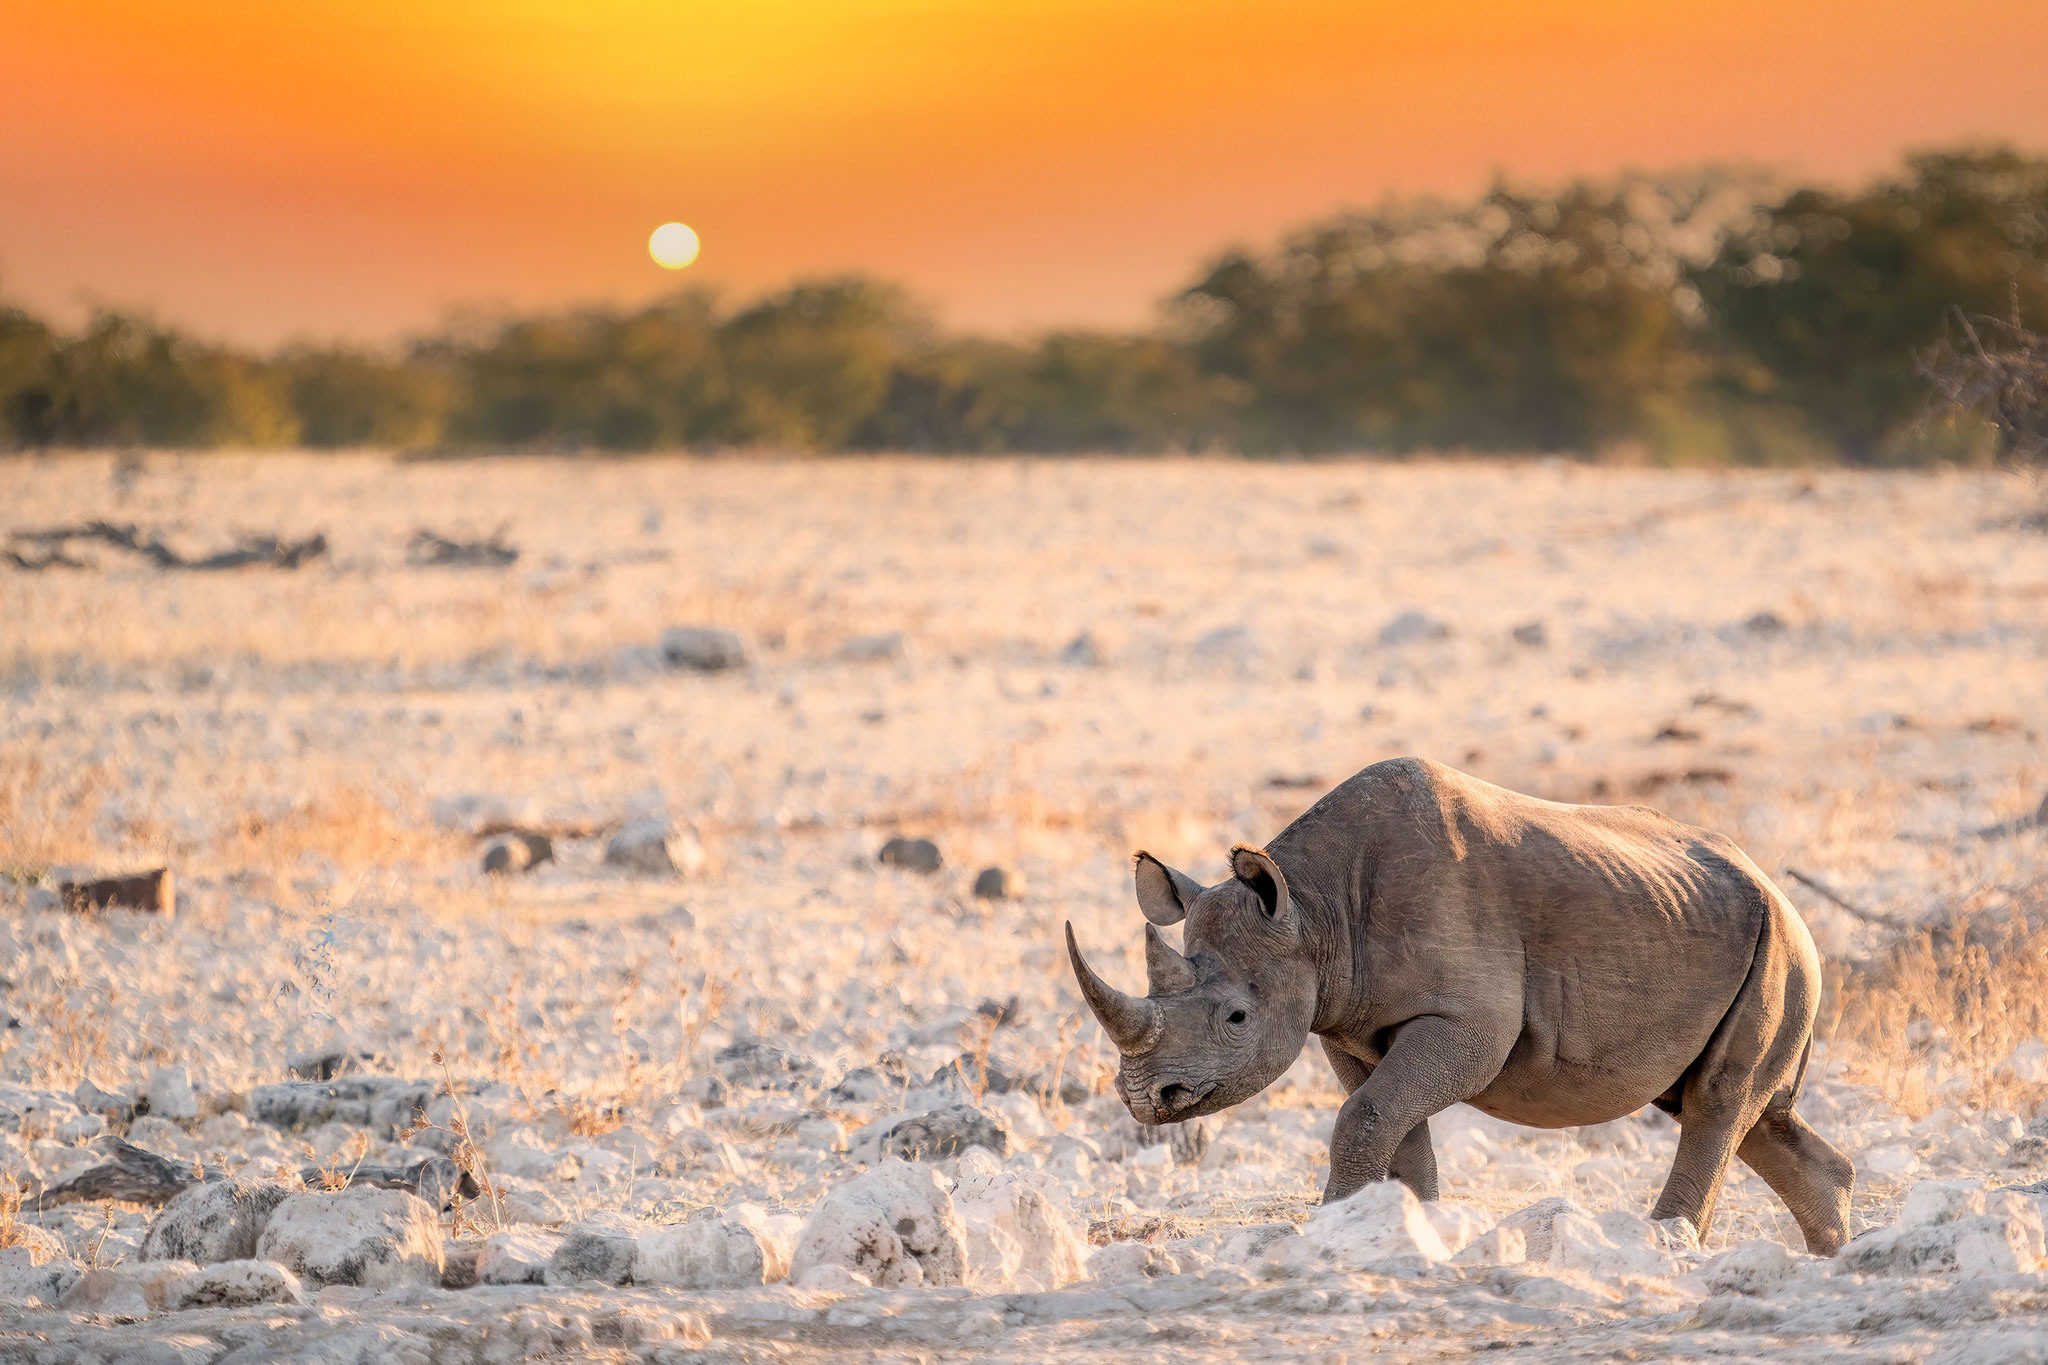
(1846,672)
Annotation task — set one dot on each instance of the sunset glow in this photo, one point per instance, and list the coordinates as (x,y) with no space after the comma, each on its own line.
(357,168)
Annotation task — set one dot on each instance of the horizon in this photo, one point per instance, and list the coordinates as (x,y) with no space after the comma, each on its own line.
(363,174)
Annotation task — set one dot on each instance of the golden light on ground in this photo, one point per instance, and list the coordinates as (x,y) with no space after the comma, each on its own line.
(673,246)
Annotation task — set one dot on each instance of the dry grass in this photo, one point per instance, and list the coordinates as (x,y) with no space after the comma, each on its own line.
(1950,1005)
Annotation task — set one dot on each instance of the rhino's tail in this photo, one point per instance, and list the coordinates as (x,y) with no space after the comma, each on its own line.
(1799,1076)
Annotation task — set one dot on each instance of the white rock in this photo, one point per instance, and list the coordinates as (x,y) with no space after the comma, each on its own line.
(1941,1201)
(360,1236)
(740,1248)
(2028,1063)
(1495,1246)
(1755,1267)
(1248,1245)
(1459,1225)
(1971,1233)
(1560,1233)
(895,1225)
(220,1220)
(169,1093)
(1017,1235)
(1129,1262)
(652,847)
(29,1279)
(124,1291)
(1380,1228)
(235,1284)
(1893,1159)
(832,1277)
(517,1257)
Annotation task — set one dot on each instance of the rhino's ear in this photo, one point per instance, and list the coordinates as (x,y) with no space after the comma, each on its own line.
(1259,872)
(1164,894)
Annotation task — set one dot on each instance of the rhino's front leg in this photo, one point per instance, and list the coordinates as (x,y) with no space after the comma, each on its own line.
(1414,1161)
(1432,1064)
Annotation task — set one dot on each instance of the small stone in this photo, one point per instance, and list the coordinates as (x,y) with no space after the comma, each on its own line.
(125,1291)
(518,851)
(736,1250)
(995,884)
(703,648)
(1755,1267)
(762,1066)
(362,1235)
(169,1094)
(1129,1262)
(1531,634)
(1081,652)
(1412,627)
(235,1284)
(832,1279)
(108,1104)
(912,855)
(866,649)
(943,1133)
(1765,623)
(600,1248)
(1227,645)
(517,1257)
(651,847)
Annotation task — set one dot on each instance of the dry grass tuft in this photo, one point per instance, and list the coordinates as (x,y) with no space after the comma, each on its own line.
(347,824)
(1958,999)
(46,817)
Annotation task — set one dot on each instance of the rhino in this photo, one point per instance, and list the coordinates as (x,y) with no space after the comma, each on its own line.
(1450,941)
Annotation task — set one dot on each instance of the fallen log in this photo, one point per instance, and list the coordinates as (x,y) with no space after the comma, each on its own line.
(430,550)
(153,891)
(264,550)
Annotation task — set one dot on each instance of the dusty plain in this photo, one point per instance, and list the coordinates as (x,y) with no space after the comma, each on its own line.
(1041,666)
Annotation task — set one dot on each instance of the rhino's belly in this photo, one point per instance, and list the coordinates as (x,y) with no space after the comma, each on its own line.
(1588,1057)
(1567,1096)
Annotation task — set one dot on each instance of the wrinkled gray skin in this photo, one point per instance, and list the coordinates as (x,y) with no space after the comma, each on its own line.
(1450,941)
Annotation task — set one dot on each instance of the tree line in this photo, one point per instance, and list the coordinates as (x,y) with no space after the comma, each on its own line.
(1707,317)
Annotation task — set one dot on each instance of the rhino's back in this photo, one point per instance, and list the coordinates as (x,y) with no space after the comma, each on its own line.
(1614,939)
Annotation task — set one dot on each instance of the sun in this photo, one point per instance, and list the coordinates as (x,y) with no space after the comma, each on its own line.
(673,246)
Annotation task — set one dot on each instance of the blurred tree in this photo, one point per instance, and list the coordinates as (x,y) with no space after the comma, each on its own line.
(355,398)
(1831,295)
(126,381)
(809,367)
(1523,322)
(631,381)
(28,401)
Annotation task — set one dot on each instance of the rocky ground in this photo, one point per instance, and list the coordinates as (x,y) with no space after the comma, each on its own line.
(544,981)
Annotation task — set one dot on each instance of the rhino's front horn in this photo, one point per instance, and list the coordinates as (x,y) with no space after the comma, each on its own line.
(1166,971)
(1132,1022)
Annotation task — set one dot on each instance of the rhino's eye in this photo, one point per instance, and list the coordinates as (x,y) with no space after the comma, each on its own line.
(1237,1016)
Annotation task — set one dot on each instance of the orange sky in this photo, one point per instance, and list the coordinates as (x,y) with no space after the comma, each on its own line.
(356,167)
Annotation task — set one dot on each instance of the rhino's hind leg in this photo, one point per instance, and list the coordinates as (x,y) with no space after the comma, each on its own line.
(1805,1171)
(1751,1063)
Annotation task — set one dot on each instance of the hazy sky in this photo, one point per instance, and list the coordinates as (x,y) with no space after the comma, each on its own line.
(356,167)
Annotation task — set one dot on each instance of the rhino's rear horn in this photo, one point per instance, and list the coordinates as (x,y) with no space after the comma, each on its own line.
(1132,1022)
(1166,971)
